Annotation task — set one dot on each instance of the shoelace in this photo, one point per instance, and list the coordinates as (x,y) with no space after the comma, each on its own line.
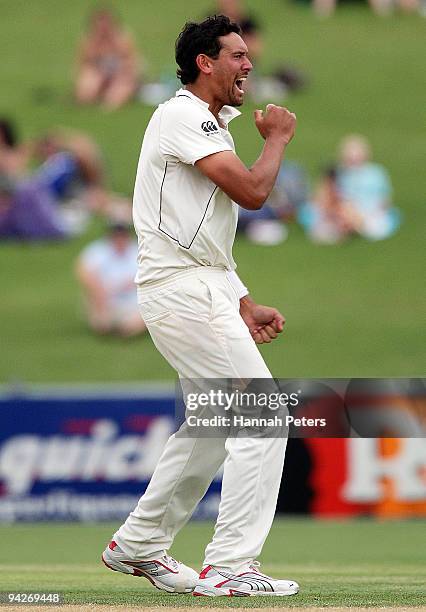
(255,565)
(170,561)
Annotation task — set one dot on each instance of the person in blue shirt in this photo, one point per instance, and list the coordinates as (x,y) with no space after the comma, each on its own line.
(366,188)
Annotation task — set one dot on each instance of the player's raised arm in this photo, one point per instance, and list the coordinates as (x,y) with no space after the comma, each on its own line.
(250,187)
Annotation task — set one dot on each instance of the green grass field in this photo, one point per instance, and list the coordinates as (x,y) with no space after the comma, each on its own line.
(352,310)
(348,563)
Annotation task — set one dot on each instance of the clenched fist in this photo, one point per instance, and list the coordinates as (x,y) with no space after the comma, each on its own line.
(277,121)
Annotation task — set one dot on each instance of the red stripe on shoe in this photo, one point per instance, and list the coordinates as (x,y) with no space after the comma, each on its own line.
(205,571)
(220,584)
(112,545)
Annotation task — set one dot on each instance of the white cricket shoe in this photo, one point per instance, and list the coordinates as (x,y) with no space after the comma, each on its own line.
(165,573)
(216,582)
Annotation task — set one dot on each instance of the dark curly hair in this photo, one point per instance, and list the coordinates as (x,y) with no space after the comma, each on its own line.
(197,38)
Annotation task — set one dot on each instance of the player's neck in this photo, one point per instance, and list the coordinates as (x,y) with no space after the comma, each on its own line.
(198,90)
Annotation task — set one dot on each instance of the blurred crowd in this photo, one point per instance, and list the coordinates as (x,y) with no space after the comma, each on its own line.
(52,186)
(353,197)
(110,70)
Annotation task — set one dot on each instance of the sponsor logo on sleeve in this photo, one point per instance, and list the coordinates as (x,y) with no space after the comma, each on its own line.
(209,127)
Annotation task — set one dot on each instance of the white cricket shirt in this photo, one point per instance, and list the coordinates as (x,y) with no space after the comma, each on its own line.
(182,219)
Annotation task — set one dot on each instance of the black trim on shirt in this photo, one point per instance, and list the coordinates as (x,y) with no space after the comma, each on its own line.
(201,222)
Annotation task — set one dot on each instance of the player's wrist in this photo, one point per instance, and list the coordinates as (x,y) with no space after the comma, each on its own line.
(247,304)
(279,139)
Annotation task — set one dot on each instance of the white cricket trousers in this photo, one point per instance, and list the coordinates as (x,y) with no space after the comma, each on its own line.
(193,318)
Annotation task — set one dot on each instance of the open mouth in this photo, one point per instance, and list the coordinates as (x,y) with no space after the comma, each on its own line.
(239,84)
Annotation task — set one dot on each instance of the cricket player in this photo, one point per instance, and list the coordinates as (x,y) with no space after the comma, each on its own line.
(201,318)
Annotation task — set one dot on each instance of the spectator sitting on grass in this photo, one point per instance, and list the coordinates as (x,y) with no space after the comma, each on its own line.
(56,201)
(106,270)
(27,210)
(72,167)
(72,170)
(351,199)
(366,188)
(327,219)
(107,63)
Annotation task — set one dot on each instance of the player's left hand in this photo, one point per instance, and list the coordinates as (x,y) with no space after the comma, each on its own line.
(264,322)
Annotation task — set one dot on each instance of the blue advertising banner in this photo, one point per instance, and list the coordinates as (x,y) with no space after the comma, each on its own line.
(83,454)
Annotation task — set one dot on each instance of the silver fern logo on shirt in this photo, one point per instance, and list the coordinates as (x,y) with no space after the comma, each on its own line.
(209,127)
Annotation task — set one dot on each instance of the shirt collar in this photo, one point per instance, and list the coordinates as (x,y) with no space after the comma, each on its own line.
(227,113)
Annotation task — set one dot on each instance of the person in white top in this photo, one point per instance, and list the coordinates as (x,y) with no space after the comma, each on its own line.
(105,270)
(201,318)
